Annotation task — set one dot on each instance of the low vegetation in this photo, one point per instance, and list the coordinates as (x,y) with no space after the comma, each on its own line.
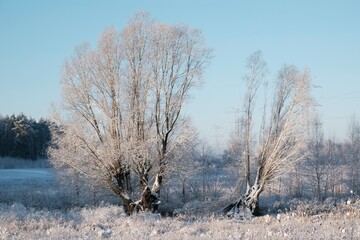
(58,209)
(110,222)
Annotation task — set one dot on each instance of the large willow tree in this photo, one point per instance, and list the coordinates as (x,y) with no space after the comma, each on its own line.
(122,102)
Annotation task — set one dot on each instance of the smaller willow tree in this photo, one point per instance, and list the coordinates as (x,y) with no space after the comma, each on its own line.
(122,101)
(283,137)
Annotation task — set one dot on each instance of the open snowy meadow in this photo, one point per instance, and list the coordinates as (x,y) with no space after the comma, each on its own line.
(34,207)
(18,222)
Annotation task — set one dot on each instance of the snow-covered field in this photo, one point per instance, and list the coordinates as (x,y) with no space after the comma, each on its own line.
(33,187)
(33,206)
(18,222)
(44,174)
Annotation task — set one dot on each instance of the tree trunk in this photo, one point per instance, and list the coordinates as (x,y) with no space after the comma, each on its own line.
(155,193)
(149,200)
(248,205)
(183,191)
(116,185)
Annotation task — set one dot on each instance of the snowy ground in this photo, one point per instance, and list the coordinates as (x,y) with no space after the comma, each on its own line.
(44,174)
(17,222)
(30,187)
(33,206)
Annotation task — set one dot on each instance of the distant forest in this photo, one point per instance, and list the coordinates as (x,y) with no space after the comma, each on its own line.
(24,137)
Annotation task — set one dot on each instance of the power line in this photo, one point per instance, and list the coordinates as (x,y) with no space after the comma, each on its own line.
(353,94)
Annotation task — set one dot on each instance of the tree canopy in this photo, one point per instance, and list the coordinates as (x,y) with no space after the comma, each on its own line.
(122,105)
(24,137)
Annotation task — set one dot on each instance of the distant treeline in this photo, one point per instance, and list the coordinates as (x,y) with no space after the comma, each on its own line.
(23,137)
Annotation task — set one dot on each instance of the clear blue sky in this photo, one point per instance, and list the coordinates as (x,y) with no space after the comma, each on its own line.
(36,37)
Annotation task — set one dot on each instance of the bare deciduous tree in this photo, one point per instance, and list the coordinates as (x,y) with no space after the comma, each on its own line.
(122,106)
(257,72)
(284,139)
(317,163)
(353,146)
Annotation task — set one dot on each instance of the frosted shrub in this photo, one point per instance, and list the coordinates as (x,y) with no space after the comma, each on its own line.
(19,210)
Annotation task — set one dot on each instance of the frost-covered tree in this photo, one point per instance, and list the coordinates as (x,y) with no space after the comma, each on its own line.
(283,139)
(122,106)
(241,142)
(353,152)
(318,164)
(257,71)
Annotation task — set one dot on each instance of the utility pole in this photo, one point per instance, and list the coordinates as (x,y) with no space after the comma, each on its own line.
(217,139)
(237,121)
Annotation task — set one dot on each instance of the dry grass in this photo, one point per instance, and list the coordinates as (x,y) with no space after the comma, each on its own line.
(43,210)
(18,222)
